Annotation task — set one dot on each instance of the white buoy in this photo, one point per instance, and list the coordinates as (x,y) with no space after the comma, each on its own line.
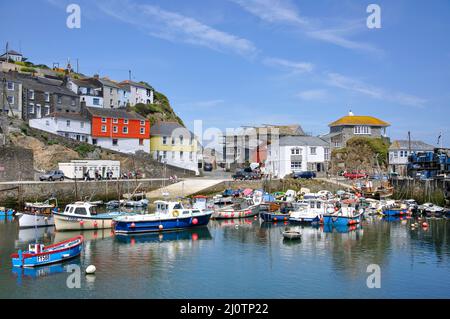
(90,269)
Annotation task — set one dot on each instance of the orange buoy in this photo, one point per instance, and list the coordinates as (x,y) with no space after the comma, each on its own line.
(81,222)
(424,224)
(194,221)
(275,219)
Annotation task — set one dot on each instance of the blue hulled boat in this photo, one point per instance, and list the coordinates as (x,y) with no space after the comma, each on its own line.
(345,216)
(274,217)
(168,216)
(395,212)
(38,255)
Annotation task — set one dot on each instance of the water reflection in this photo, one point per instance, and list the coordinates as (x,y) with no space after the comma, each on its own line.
(201,233)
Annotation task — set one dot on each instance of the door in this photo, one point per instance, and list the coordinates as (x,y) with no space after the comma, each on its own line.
(38,111)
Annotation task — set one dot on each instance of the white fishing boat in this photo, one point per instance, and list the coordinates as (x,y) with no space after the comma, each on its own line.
(310,211)
(39,214)
(83,216)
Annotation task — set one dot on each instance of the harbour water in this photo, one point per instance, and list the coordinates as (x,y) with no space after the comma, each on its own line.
(240,259)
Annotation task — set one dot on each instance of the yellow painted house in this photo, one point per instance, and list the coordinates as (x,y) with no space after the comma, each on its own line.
(175,145)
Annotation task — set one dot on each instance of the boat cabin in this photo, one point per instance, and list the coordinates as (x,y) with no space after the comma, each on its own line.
(81,209)
(173,208)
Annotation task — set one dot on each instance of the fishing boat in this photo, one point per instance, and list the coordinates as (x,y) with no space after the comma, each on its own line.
(344,216)
(168,216)
(310,211)
(396,211)
(38,214)
(38,254)
(83,216)
(6,212)
(242,208)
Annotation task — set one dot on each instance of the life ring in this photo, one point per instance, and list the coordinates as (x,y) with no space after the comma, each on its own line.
(175,213)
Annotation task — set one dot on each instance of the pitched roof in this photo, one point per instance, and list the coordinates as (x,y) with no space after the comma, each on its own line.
(302,141)
(136,84)
(88,83)
(108,82)
(114,113)
(68,115)
(359,120)
(166,128)
(44,84)
(292,129)
(415,145)
(12,52)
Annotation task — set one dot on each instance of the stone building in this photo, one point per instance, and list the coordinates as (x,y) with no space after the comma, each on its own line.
(10,94)
(352,125)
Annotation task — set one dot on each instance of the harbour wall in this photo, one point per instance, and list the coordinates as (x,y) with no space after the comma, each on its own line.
(435,191)
(16,194)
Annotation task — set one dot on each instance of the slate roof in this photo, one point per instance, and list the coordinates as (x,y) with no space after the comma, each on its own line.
(114,113)
(415,145)
(44,85)
(12,52)
(109,83)
(302,141)
(166,128)
(129,83)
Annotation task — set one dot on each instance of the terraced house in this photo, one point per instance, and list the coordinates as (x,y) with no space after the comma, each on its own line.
(10,94)
(139,92)
(173,144)
(42,96)
(352,125)
(90,91)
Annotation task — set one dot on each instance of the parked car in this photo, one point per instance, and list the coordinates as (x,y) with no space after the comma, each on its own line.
(355,175)
(207,167)
(245,174)
(305,175)
(56,175)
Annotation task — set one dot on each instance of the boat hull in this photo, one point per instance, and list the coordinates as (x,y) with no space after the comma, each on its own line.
(395,212)
(271,217)
(235,214)
(27,220)
(160,225)
(341,220)
(61,253)
(70,223)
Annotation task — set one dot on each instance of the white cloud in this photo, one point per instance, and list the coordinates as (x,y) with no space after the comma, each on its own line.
(354,85)
(296,67)
(176,27)
(285,12)
(313,95)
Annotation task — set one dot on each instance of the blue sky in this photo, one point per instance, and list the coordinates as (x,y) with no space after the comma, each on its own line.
(243,62)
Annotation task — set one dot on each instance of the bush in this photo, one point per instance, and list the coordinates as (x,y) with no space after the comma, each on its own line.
(28,69)
(84,149)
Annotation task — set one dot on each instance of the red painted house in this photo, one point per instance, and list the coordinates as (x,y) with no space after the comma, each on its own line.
(119,130)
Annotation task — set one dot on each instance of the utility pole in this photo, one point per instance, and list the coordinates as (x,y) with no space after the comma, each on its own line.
(409,142)
(129,75)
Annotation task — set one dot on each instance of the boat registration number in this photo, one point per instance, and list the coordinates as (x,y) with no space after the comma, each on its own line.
(43,258)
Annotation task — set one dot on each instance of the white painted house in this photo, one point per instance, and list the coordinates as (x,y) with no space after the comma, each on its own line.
(296,154)
(139,92)
(77,168)
(400,150)
(89,90)
(74,126)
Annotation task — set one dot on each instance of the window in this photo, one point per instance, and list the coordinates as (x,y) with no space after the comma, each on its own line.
(59,100)
(181,139)
(164,140)
(142,130)
(103,128)
(31,108)
(111,102)
(115,121)
(115,129)
(181,155)
(361,130)
(80,211)
(96,101)
(164,155)
(115,142)
(125,130)
(94,141)
(173,155)
(103,119)
(47,123)
(191,156)
(47,97)
(313,150)
(125,121)
(296,151)
(47,109)
(327,154)
(142,123)
(296,165)
(68,123)
(10,99)
(173,141)
(72,102)
(10,86)
(81,124)
(141,141)
(31,95)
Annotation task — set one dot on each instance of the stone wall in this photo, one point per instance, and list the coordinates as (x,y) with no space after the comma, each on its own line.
(16,164)
(434,191)
(15,194)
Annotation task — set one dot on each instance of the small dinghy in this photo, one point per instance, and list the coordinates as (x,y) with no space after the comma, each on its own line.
(292,234)
(38,255)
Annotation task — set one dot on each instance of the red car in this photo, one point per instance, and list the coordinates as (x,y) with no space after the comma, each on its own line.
(355,175)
